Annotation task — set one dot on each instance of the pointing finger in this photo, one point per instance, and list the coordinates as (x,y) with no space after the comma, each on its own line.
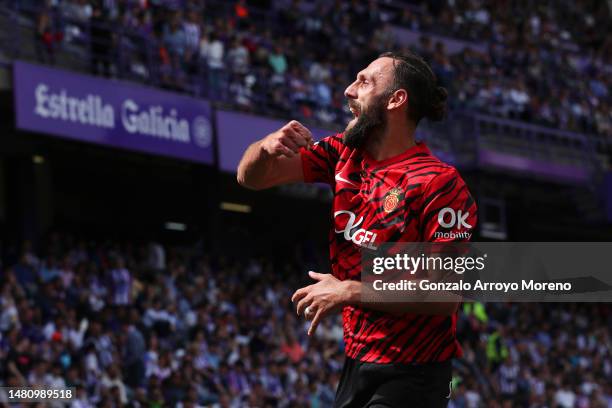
(315,322)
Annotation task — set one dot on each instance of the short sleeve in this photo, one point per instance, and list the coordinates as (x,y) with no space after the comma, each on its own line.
(449,211)
(319,162)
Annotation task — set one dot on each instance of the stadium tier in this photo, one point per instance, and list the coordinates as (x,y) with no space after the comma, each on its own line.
(178,326)
(267,58)
(137,271)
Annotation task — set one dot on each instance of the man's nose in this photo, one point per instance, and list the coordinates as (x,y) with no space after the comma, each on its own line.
(349,92)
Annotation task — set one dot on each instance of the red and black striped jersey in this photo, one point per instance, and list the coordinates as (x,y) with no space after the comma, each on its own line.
(412,197)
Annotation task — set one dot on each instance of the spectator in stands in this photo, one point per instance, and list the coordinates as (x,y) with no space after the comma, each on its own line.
(203,338)
(134,350)
(238,57)
(192,29)
(48,38)
(212,51)
(76,14)
(278,63)
(322,94)
(192,32)
(175,41)
(241,90)
(156,257)
(121,280)
(241,13)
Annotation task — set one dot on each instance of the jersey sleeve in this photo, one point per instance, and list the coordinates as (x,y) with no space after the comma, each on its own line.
(319,162)
(449,211)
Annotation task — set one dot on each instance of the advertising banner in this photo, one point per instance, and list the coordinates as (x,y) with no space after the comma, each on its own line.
(112,113)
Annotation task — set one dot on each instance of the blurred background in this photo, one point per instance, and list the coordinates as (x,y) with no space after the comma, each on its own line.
(132,265)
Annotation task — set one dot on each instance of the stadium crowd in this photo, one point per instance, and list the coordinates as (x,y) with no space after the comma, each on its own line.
(135,325)
(527,60)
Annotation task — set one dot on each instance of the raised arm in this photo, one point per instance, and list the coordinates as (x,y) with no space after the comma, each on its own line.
(275,159)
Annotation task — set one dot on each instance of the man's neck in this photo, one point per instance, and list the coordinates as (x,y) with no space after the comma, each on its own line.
(396,140)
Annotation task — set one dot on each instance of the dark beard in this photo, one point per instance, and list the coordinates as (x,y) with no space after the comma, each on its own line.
(369,127)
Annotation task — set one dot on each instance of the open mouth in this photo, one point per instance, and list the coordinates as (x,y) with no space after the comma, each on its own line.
(354,111)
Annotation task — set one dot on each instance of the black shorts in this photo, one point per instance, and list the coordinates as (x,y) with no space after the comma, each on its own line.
(393,385)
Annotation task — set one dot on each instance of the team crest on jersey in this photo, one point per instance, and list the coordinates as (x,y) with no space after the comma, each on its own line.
(392,199)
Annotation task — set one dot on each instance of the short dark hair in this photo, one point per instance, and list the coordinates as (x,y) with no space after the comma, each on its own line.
(425,98)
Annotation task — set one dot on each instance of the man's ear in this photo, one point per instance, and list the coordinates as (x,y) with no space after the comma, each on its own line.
(397,99)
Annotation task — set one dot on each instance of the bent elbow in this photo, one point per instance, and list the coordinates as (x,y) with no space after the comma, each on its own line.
(242,181)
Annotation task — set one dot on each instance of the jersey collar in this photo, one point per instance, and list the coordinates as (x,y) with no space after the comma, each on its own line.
(420,147)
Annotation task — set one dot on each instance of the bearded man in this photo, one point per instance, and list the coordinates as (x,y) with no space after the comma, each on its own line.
(387,188)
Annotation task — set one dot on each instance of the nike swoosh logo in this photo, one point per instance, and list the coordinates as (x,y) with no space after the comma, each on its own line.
(340,178)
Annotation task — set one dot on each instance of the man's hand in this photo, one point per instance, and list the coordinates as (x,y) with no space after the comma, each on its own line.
(288,140)
(326,296)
